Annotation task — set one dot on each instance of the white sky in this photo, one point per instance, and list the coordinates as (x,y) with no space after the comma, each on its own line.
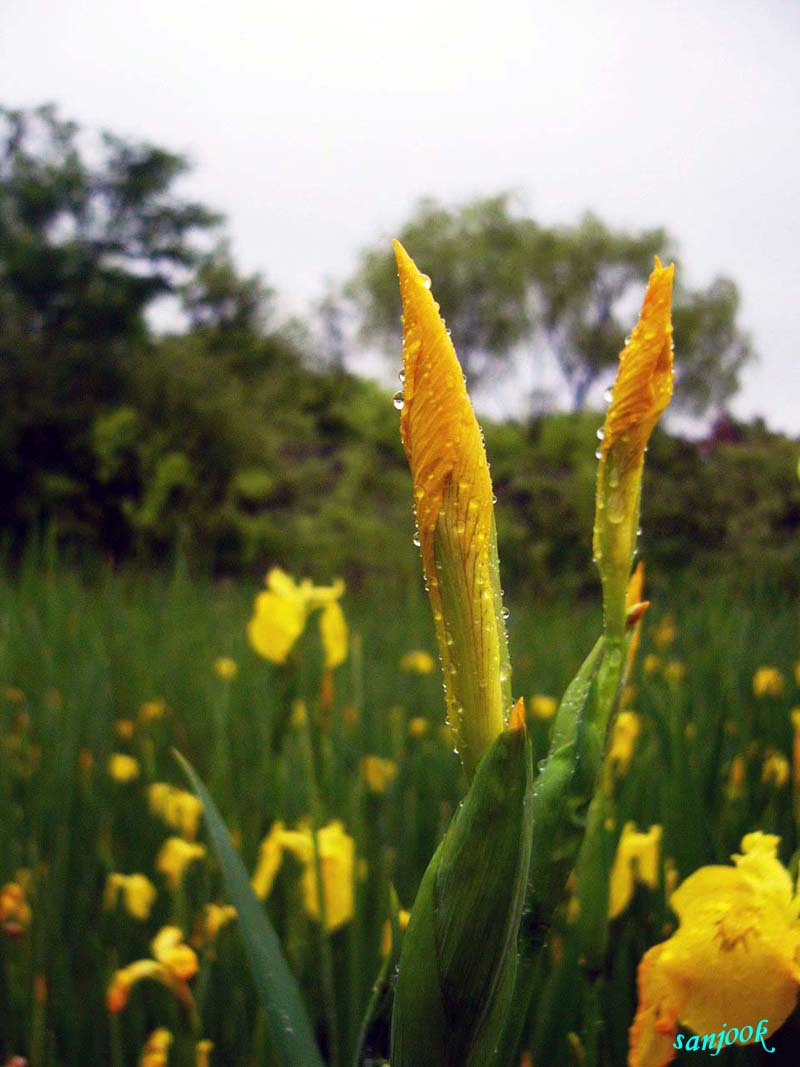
(316,126)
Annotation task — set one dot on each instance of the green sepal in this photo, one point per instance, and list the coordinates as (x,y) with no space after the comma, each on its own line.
(459,954)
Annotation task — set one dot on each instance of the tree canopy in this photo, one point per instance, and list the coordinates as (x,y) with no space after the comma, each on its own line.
(509,285)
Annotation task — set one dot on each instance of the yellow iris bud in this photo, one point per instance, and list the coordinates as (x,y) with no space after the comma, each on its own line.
(455,521)
(768,682)
(418,726)
(641,392)
(543,707)
(123,768)
(378,774)
(226,668)
(156,1050)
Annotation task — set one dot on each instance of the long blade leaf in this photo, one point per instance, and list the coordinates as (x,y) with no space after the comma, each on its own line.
(290,1028)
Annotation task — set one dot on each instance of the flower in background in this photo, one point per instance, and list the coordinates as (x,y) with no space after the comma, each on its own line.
(15,911)
(636,861)
(138,894)
(123,768)
(675,671)
(152,710)
(175,856)
(179,809)
(737,778)
(418,726)
(768,682)
(281,613)
(403,918)
(202,1053)
(664,633)
(627,728)
(543,707)
(270,857)
(418,662)
(215,916)
(156,1050)
(775,771)
(735,955)
(124,729)
(651,663)
(174,964)
(337,864)
(226,668)
(378,774)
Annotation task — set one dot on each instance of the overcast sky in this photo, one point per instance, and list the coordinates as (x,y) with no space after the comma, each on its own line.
(316,126)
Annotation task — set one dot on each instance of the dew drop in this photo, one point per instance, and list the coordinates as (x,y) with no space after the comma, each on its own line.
(398,400)
(608,395)
(601,433)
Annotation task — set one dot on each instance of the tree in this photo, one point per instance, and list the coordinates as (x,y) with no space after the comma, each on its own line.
(90,235)
(505,282)
(477,255)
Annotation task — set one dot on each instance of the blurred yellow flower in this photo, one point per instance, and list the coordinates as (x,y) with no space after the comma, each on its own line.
(664,633)
(333,631)
(15,911)
(226,668)
(675,671)
(175,856)
(202,1053)
(174,963)
(280,615)
(737,778)
(179,809)
(215,917)
(299,714)
(775,771)
(156,1050)
(768,682)
(138,894)
(123,768)
(337,862)
(636,861)
(651,663)
(350,717)
(734,957)
(270,856)
(418,726)
(152,710)
(377,773)
(543,707)
(14,695)
(403,918)
(418,662)
(627,728)
(124,729)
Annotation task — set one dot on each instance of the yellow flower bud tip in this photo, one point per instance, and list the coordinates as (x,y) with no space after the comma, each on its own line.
(123,768)
(768,682)
(635,613)
(516,721)
(643,387)
(455,520)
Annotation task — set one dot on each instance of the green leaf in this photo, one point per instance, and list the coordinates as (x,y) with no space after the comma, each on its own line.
(290,1028)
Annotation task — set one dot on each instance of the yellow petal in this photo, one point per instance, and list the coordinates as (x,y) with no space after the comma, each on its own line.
(276,625)
(270,857)
(455,519)
(333,630)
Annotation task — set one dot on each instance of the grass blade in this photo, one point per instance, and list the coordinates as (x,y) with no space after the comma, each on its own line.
(290,1028)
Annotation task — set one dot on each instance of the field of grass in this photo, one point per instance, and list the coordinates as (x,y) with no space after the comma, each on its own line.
(105,663)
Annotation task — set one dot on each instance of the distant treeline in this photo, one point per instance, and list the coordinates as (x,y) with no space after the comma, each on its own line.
(236,443)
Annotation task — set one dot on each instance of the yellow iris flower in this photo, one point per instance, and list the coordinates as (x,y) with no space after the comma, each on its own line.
(377,773)
(768,682)
(175,856)
(734,959)
(636,861)
(627,728)
(543,707)
(15,911)
(281,614)
(173,964)
(337,852)
(226,668)
(138,894)
(179,809)
(455,521)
